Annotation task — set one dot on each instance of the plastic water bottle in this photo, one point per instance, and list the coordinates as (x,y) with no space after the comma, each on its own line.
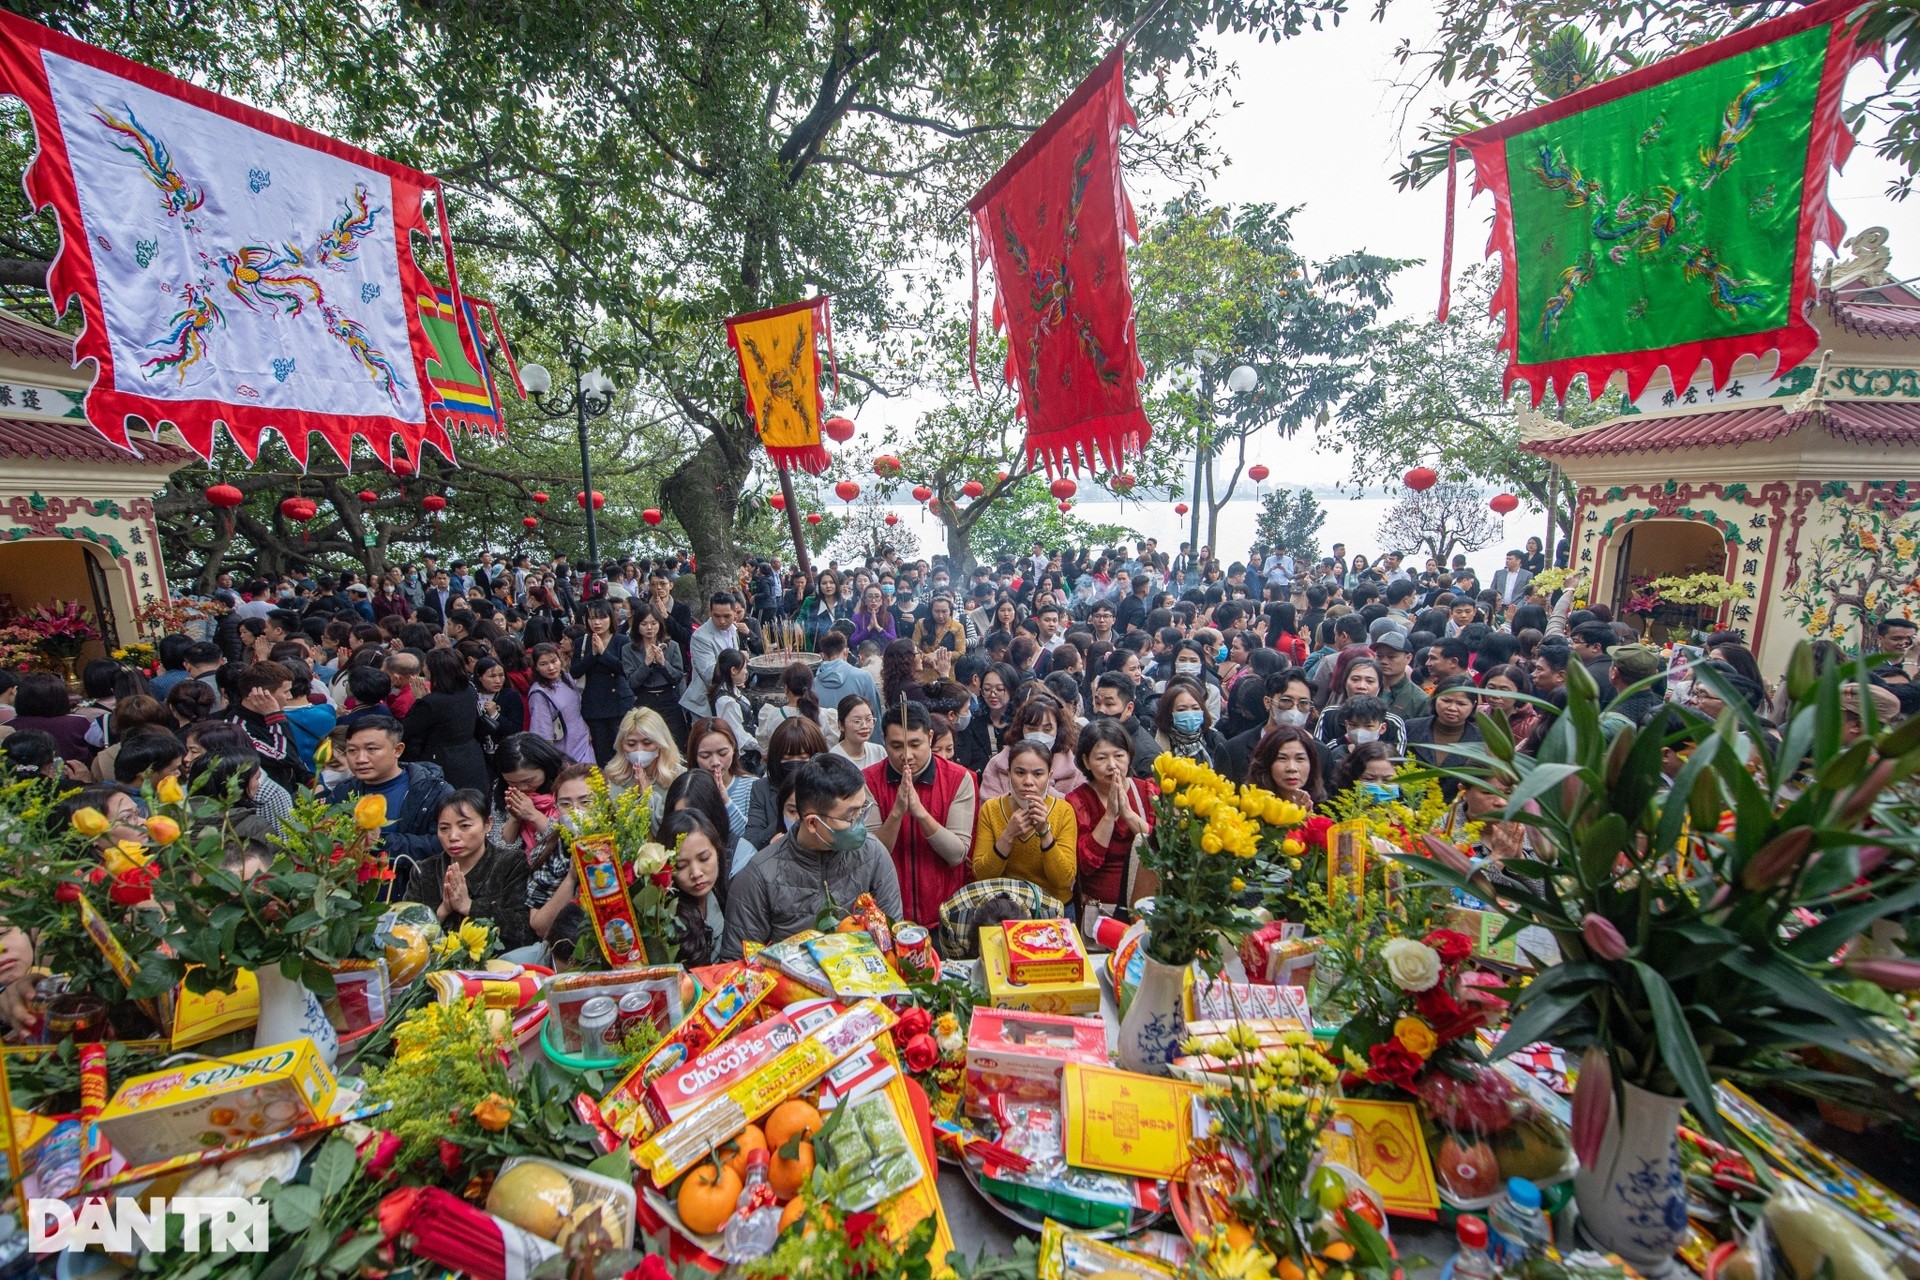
(1516,1225)
(1471,1262)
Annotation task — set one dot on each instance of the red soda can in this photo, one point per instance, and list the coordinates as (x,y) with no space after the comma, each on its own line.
(913,947)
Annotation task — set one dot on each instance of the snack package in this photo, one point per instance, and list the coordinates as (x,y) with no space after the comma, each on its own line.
(200,1106)
(1066,1254)
(1044,951)
(992,976)
(359,999)
(870,1147)
(719,1014)
(603,896)
(1036,1132)
(855,967)
(663,986)
(588,1196)
(674,1093)
(868,916)
(1021,1055)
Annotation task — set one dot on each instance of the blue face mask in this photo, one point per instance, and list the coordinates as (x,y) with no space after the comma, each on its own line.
(1189,722)
(1381,792)
(1220,654)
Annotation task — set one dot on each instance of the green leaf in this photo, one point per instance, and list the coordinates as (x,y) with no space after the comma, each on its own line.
(1673,809)
(614,1164)
(1538,781)
(296,1208)
(348,1257)
(1816,944)
(333,1167)
(1535,1017)
(1600,848)
(1679,1053)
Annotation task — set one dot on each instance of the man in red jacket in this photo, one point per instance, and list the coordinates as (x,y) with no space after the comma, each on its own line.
(923,809)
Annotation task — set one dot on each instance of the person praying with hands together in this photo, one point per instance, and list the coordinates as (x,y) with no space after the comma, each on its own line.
(1112,811)
(1028,834)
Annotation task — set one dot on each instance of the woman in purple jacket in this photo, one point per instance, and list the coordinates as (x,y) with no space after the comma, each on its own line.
(872,620)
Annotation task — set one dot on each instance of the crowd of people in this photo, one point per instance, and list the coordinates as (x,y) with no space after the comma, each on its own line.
(928,728)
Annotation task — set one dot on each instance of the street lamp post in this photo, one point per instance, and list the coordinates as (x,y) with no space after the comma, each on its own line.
(592,398)
(1241,379)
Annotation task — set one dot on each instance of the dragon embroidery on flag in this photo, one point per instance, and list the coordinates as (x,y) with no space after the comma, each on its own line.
(1050,285)
(277,280)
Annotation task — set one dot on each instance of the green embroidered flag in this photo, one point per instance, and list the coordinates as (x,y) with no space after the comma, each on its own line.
(1668,217)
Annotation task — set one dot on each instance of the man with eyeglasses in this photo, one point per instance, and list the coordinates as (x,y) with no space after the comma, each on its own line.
(1289,699)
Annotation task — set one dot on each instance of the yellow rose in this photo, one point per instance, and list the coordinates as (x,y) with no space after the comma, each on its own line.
(123,856)
(370,812)
(163,830)
(90,822)
(322,753)
(169,791)
(1416,1036)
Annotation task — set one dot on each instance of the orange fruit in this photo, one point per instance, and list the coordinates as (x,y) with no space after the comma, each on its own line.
(708,1198)
(796,1207)
(850,925)
(1238,1237)
(790,1119)
(787,1177)
(734,1153)
(1290,1270)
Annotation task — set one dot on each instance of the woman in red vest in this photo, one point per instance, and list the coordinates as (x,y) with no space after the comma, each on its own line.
(1114,812)
(927,822)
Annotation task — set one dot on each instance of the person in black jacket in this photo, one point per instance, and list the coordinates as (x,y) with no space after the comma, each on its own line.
(443,725)
(503,712)
(413,793)
(599,668)
(656,667)
(678,614)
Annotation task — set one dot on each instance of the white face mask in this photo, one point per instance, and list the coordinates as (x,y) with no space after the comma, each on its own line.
(962,720)
(642,759)
(1186,668)
(1042,739)
(1297,719)
(1361,737)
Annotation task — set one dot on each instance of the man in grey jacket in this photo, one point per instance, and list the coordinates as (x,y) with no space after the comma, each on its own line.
(828,854)
(710,639)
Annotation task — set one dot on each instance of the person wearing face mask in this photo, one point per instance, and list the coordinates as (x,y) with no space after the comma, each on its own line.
(1358,677)
(829,854)
(1028,833)
(1190,661)
(1183,726)
(1041,720)
(1289,704)
(644,755)
(922,811)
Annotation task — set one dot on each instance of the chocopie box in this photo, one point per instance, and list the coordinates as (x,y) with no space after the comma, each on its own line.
(1021,1055)
(217,1102)
(678,1091)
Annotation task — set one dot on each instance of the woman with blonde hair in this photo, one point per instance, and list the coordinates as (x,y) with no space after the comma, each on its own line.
(644,755)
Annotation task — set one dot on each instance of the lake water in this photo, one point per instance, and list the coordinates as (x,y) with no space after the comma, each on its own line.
(1354,521)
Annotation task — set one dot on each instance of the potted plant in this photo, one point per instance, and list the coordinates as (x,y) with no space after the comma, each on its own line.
(1667,898)
(1205,839)
(289,911)
(60,631)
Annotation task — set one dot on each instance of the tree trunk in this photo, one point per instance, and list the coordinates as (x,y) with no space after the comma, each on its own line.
(960,551)
(704,493)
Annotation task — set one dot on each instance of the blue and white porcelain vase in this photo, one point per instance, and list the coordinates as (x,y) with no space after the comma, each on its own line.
(1153,1027)
(1633,1201)
(289,1010)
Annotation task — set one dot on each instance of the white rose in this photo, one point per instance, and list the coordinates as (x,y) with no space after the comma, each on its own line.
(651,858)
(1413,966)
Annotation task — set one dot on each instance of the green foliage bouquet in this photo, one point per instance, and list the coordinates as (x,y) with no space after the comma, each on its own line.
(1678,904)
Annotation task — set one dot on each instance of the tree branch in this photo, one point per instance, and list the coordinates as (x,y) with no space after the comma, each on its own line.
(938,126)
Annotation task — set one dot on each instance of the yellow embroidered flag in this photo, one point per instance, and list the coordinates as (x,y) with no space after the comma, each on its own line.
(780,365)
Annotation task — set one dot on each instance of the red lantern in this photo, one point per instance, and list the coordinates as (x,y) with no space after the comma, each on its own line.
(846,490)
(1063,488)
(539,499)
(1258,473)
(813,517)
(999,477)
(1065,507)
(886,465)
(1503,502)
(921,493)
(434,503)
(840,430)
(530,521)
(368,495)
(1179,508)
(298,510)
(778,502)
(973,489)
(599,500)
(652,515)
(892,519)
(1124,482)
(1420,479)
(223,495)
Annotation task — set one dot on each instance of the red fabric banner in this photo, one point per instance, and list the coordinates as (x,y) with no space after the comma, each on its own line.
(232,268)
(1054,222)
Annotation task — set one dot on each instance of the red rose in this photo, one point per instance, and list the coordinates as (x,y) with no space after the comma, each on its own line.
(922,1053)
(131,887)
(861,1225)
(663,878)
(652,1267)
(1445,1015)
(97,876)
(379,1152)
(1313,833)
(450,1156)
(1453,946)
(68,892)
(914,1022)
(1393,1063)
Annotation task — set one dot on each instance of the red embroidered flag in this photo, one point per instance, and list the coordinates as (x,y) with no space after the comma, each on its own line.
(1054,222)
(232,268)
(1667,217)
